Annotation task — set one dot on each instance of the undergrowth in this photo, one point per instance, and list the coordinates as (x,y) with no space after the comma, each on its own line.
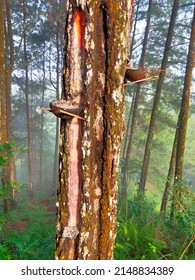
(143,234)
(27,233)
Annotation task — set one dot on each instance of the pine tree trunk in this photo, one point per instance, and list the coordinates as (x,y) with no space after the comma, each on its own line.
(42,122)
(95,63)
(157,97)
(170,176)
(182,124)
(26,88)
(2,74)
(56,151)
(128,127)
(135,107)
(5,174)
(10,165)
(135,25)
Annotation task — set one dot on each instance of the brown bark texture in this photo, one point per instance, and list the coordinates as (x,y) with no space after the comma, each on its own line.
(182,125)
(170,176)
(6,39)
(11,167)
(183,116)
(96,40)
(2,75)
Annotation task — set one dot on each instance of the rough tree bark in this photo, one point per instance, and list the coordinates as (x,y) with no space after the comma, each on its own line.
(11,167)
(2,74)
(5,128)
(96,39)
(157,97)
(183,116)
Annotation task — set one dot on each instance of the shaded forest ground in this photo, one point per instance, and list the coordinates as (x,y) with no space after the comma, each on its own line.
(28,232)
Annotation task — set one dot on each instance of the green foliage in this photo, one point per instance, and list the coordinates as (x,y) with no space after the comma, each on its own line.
(144,234)
(135,237)
(35,240)
(6,189)
(184,207)
(4,251)
(6,151)
(137,243)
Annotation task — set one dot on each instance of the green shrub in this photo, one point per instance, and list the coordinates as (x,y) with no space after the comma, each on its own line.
(144,234)
(33,242)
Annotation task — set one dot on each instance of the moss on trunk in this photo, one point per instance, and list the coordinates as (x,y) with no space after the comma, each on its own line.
(105,54)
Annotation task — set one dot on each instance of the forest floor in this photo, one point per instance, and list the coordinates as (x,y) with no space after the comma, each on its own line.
(28,232)
(18,225)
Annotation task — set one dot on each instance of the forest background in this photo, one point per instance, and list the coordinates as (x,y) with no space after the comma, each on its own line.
(34,40)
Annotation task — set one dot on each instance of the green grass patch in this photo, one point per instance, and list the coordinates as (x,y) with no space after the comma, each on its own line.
(28,232)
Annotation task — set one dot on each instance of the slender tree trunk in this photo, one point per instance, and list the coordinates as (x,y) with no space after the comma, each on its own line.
(135,25)
(9,69)
(3,123)
(56,154)
(2,74)
(170,175)
(56,151)
(164,63)
(182,123)
(95,64)
(128,128)
(11,167)
(127,133)
(26,88)
(42,121)
(135,107)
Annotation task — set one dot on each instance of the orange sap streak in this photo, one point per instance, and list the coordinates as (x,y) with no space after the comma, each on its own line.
(79,21)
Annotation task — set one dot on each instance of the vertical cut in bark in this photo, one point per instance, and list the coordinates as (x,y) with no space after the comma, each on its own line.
(70,148)
(95,62)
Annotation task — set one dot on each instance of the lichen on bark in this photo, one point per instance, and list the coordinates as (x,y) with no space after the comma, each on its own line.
(105,56)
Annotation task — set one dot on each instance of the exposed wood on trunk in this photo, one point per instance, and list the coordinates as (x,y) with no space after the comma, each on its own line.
(87,204)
